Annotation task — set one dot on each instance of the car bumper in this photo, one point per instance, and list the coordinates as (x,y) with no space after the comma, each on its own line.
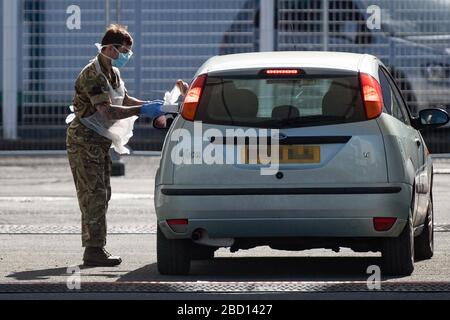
(283,215)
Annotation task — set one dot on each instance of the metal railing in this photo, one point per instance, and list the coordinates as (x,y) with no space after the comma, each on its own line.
(412,37)
(174,37)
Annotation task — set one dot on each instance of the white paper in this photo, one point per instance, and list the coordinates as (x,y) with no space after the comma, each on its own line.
(170,108)
(171,98)
(70,118)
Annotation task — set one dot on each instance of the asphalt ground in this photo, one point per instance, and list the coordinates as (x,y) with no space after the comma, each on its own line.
(40,240)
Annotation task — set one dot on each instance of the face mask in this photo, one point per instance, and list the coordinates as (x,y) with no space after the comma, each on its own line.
(121,61)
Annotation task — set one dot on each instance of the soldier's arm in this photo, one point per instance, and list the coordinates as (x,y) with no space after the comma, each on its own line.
(117,113)
(131,101)
(96,88)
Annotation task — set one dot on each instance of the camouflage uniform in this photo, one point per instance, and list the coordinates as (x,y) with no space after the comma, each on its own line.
(88,154)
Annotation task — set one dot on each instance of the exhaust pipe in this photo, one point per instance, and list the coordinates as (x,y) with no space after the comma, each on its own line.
(200,236)
(197,235)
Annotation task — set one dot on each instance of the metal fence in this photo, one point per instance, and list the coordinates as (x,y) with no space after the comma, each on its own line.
(412,37)
(174,37)
(1,69)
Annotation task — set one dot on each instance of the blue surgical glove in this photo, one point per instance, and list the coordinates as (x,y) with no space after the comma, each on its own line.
(152,109)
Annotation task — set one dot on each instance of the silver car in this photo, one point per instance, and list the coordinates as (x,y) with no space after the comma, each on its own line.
(295,150)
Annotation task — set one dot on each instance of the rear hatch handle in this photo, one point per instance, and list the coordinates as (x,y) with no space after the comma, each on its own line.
(304,140)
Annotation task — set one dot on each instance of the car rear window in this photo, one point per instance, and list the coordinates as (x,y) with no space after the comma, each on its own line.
(257,101)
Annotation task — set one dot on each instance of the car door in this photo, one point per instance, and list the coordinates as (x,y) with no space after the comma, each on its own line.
(324,136)
(412,142)
(395,106)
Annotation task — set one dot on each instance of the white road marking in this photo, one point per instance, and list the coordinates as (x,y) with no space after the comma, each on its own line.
(441,171)
(74,229)
(115,196)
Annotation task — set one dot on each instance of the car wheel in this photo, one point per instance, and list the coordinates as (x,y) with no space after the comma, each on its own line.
(424,243)
(201,252)
(398,253)
(174,256)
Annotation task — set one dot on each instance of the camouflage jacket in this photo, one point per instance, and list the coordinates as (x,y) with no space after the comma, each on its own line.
(91,88)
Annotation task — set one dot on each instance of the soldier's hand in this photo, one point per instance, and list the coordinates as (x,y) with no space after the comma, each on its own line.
(152,109)
(183,86)
(160,122)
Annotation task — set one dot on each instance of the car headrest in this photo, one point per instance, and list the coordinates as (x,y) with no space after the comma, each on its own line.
(339,98)
(283,112)
(242,103)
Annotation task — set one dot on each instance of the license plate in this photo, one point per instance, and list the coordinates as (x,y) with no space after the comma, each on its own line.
(288,154)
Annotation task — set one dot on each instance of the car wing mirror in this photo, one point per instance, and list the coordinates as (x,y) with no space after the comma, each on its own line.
(432,118)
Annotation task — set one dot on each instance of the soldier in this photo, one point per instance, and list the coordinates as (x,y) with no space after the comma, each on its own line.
(97,88)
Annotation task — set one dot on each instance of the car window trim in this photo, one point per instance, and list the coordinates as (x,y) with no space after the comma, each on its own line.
(386,109)
(274,124)
(398,94)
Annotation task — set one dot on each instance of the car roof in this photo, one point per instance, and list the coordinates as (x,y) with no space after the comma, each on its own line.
(301,59)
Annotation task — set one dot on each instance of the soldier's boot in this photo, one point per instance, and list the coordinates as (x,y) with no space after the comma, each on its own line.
(99,257)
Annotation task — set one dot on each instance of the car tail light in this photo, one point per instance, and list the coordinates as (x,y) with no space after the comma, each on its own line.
(192,98)
(383,224)
(178,225)
(175,222)
(372,96)
(281,72)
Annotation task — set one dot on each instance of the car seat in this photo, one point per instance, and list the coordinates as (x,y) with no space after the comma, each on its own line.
(340,100)
(285,112)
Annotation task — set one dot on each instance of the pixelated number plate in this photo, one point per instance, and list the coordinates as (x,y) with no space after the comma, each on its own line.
(288,154)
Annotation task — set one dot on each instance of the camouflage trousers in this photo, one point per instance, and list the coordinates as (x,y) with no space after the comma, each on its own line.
(90,163)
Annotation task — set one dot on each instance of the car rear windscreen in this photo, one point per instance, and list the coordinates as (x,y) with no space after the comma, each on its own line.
(255,101)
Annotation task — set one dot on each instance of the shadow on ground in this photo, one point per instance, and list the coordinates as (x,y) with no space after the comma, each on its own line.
(265,269)
(229,270)
(46,274)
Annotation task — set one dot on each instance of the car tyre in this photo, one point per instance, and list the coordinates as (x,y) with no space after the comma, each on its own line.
(174,256)
(424,243)
(398,253)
